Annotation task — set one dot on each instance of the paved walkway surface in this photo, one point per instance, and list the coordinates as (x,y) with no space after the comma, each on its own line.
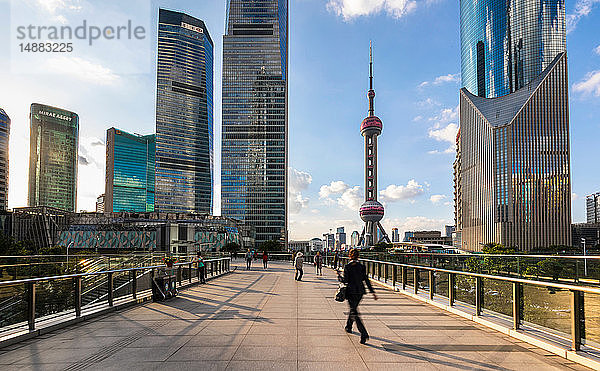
(257,320)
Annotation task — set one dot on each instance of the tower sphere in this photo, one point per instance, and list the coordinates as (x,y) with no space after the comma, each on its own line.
(371,125)
(371,211)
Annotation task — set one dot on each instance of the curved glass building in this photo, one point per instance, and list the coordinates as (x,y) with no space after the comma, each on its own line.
(506,44)
(4,135)
(184,115)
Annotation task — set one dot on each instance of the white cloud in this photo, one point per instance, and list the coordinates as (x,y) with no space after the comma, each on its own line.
(597,50)
(348,196)
(574,197)
(436,199)
(81,69)
(298,181)
(441,80)
(92,160)
(334,187)
(582,9)
(590,84)
(445,134)
(445,129)
(402,192)
(349,9)
(352,198)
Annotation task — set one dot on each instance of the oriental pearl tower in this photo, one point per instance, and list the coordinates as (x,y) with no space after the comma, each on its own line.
(371,211)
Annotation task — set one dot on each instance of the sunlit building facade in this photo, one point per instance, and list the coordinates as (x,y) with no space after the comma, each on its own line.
(506,44)
(592,203)
(515,169)
(184,115)
(53,155)
(130,174)
(255,116)
(4,139)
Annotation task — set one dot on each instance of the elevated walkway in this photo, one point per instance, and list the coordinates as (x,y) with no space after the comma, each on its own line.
(265,320)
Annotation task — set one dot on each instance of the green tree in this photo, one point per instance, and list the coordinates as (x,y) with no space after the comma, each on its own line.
(271,245)
(231,247)
(382,246)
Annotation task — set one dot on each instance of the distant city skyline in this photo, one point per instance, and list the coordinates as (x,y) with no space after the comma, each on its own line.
(417,101)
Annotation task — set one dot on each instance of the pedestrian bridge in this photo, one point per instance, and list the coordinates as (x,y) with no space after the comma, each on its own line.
(264,319)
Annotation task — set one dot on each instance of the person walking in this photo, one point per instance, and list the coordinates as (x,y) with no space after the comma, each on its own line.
(201,268)
(298,261)
(234,255)
(354,276)
(336,260)
(265,259)
(248,259)
(318,260)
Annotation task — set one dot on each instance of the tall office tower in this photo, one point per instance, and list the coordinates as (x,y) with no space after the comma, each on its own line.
(395,235)
(53,151)
(512,171)
(506,44)
(255,116)
(4,136)
(593,208)
(340,235)
(184,115)
(130,161)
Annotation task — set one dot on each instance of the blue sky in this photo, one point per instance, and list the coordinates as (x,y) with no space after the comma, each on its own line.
(417,65)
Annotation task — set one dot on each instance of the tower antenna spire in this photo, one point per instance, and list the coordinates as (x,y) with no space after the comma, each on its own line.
(371,91)
(370,65)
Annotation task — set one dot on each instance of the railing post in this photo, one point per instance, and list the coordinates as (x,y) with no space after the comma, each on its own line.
(517,297)
(31,305)
(190,273)
(478,295)
(416,279)
(78,297)
(394,275)
(403,274)
(576,309)
(134,284)
(451,288)
(431,285)
(179,274)
(111,293)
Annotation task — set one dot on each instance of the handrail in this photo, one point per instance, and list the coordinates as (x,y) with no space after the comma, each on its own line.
(75,275)
(590,290)
(576,292)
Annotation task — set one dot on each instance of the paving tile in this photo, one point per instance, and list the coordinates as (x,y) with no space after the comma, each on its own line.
(260,320)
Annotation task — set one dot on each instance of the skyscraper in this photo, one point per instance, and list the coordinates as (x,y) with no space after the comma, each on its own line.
(395,235)
(130,161)
(512,171)
(4,136)
(592,203)
(506,44)
(340,235)
(255,116)
(54,139)
(184,115)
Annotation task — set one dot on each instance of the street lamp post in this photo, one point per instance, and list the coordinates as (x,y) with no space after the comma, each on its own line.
(69,245)
(584,258)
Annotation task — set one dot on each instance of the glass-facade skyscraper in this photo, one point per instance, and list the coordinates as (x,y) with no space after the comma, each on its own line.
(254,149)
(54,141)
(512,171)
(592,203)
(184,115)
(4,136)
(130,161)
(506,44)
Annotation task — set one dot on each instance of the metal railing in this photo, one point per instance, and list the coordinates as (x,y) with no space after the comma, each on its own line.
(26,302)
(522,300)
